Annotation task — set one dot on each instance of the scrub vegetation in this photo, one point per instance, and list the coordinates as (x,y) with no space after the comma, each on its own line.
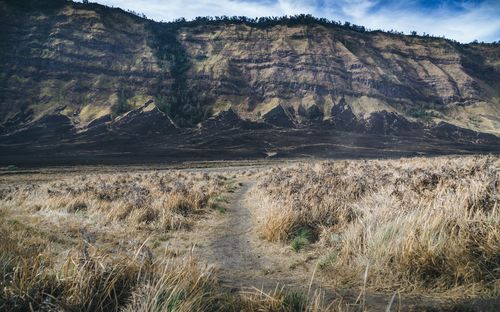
(422,224)
(113,241)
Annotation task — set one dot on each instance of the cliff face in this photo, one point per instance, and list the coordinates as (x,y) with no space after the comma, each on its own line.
(90,58)
(304,67)
(79,69)
(83,58)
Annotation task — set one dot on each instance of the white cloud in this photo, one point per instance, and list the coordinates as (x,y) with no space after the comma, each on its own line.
(171,9)
(356,8)
(480,22)
(287,7)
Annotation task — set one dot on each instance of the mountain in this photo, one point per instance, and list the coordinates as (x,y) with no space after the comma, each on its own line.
(79,76)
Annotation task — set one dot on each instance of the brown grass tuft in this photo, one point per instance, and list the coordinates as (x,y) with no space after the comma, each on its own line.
(143,200)
(418,224)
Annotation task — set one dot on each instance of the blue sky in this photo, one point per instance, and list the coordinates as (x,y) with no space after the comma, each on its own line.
(464,20)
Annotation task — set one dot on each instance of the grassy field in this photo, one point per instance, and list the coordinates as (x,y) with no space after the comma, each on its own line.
(412,224)
(91,243)
(76,240)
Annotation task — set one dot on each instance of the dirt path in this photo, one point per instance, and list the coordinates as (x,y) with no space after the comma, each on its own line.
(229,242)
(241,258)
(230,247)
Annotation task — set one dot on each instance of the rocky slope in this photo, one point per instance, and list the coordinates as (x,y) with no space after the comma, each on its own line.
(80,72)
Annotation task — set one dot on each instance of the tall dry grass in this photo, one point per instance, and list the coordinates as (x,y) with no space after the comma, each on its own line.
(416,224)
(87,243)
(51,259)
(96,279)
(151,200)
(91,278)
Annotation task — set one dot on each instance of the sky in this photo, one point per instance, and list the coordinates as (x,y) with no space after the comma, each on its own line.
(462,20)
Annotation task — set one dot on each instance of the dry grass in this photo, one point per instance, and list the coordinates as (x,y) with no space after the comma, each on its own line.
(96,279)
(88,243)
(280,300)
(89,278)
(81,243)
(143,200)
(99,242)
(417,224)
